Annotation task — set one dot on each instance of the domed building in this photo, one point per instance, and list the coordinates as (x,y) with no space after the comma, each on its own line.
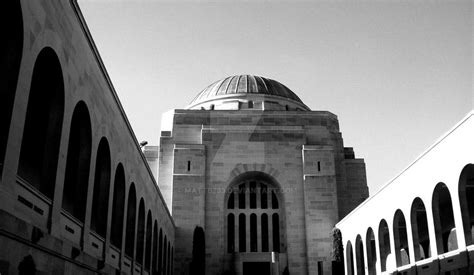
(266,178)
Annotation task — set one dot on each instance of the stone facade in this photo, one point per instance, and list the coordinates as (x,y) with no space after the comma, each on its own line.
(75,188)
(422,221)
(203,152)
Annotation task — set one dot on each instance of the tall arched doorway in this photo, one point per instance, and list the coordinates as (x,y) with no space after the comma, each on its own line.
(10,58)
(254,221)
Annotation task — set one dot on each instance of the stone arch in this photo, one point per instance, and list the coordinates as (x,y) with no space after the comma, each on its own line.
(384,244)
(100,199)
(360,263)
(349,259)
(76,179)
(419,226)
(371,252)
(266,169)
(39,151)
(401,239)
(443,217)
(11,51)
(131,221)
(118,207)
(466,199)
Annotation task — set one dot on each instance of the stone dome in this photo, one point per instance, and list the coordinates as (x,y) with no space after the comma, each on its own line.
(246,87)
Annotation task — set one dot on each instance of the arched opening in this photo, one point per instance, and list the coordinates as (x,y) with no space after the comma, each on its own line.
(148,242)
(11,50)
(276,232)
(419,226)
(43,124)
(78,163)
(172,259)
(160,252)
(118,207)
(230,233)
(349,259)
(466,199)
(140,232)
(130,225)
(259,226)
(100,200)
(154,262)
(264,232)
(359,246)
(242,235)
(253,232)
(371,254)
(401,239)
(384,244)
(443,217)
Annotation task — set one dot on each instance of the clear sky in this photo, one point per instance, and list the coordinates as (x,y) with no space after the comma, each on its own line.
(397,74)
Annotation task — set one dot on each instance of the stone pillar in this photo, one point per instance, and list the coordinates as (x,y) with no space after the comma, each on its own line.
(320,204)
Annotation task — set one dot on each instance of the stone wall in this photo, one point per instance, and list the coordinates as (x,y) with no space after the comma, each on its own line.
(271,142)
(67,244)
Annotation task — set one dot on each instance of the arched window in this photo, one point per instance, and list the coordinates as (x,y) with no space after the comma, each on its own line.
(371,254)
(154,261)
(43,124)
(264,232)
(359,246)
(131,216)
(384,244)
(78,162)
(11,50)
(258,225)
(466,199)
(349,259)
(253,232)
(276,232)
(419,225)
(118,207)
(140,231)
(148,242)
(100,200)
(230,233)
(401,239)
(242,233)
(443,217)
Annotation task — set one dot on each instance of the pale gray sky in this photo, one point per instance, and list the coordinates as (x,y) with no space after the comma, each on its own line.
(397,74)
